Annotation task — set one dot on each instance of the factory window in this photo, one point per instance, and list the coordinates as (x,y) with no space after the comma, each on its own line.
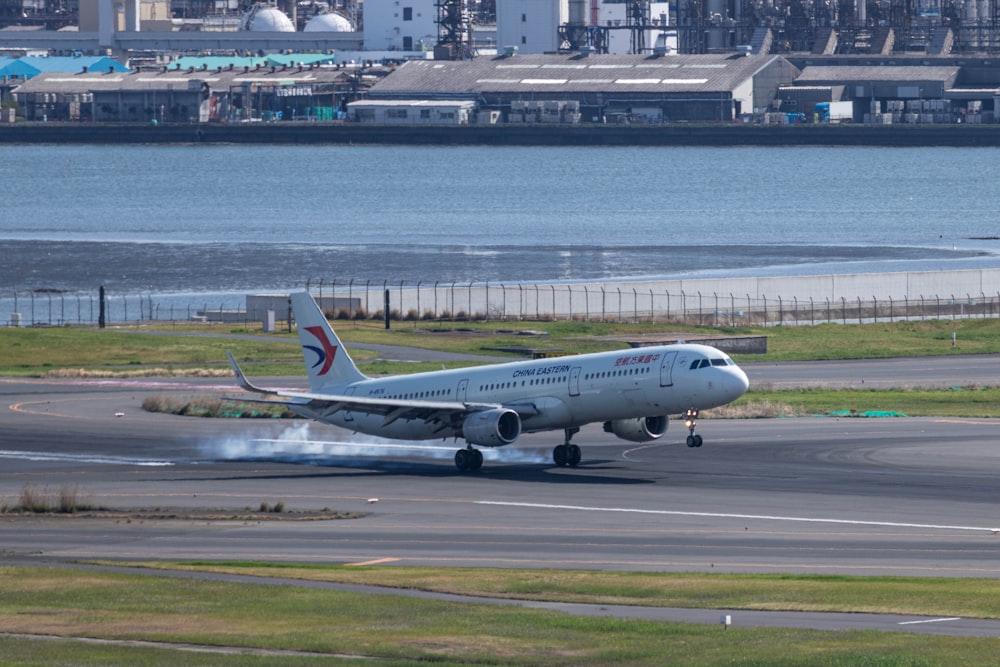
(524,18)
(425,113)
(524,40)
(395,113)
(407,13)
(407,43)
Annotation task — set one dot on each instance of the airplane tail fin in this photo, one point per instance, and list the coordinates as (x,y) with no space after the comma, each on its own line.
(326,359)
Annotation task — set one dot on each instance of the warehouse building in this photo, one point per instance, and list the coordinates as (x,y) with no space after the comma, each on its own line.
(593,87)
(230,94)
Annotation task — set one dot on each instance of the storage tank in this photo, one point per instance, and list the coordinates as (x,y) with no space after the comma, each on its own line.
(265,18)
(329,22)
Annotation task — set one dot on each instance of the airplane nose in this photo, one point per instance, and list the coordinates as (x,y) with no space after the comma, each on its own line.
(739,383)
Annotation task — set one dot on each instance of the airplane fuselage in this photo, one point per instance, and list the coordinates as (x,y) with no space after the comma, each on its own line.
(556,393)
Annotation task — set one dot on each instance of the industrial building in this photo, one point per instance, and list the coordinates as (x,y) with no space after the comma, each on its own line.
(602,88)
(221,94)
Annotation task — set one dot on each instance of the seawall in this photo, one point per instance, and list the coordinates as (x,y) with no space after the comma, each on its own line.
(505,135)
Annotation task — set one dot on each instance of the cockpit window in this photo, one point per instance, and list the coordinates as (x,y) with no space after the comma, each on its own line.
(718,362)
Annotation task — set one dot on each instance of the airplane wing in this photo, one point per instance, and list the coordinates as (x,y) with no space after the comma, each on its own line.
(444,412)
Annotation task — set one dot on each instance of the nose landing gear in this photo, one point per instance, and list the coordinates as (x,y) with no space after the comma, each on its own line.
(690,420)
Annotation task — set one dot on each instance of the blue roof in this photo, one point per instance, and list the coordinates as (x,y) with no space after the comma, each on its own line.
(71,64)
(215,62)
(14,67)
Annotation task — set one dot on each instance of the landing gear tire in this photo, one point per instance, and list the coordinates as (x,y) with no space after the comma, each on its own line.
(468,460)
(567,455)
(573,455)
(694,441)
(560,456)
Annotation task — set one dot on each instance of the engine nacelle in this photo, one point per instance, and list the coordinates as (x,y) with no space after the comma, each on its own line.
(492,428)
(641,429)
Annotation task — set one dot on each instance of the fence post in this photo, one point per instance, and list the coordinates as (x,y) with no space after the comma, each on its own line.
(604,317)
(716,294)
(843,308)
(812,312)
(652,308)
(586,304)
(764,297)
(417,318)
(635,306)
(781,310)
(619,305)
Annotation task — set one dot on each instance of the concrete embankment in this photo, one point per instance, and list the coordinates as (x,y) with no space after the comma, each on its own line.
(509,134)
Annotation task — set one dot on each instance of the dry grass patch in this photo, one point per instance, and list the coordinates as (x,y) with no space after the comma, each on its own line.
(85,373)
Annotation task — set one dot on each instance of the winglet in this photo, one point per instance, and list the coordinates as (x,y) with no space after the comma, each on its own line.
(242,379)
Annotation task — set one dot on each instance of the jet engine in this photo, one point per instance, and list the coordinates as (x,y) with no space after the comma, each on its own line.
(492,428)
(638,430)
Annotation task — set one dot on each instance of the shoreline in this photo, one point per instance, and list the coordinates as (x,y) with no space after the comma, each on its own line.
(505,135)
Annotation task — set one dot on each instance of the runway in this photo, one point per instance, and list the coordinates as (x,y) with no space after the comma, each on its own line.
(857,496)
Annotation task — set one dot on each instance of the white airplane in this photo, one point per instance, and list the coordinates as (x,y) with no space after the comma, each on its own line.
(631,392)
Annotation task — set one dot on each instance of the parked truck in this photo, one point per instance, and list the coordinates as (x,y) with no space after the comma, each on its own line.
(834,112)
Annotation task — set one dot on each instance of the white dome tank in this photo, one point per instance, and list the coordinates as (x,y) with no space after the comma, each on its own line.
(330,22)
(263,18)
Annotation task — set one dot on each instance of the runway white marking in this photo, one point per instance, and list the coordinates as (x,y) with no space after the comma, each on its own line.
(723,515)
(932,620)
(80,458)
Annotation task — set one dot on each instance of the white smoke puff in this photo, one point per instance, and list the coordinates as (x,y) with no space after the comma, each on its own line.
(296,445)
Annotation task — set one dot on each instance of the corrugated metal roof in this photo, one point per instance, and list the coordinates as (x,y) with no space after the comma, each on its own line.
(573,74)
(301,59)
(815,74)
(177,80)
(13,67)
(73,63)
(215,62)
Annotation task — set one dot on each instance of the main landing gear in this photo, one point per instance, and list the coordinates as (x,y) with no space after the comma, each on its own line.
(567,454)
(690,417)
(468,459)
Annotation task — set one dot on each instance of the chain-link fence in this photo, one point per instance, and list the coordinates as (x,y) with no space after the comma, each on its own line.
(612,302)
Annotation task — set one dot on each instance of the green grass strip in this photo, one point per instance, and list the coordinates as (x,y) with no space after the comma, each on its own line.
(397,630)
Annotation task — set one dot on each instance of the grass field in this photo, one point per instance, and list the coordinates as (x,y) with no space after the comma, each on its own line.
(396,630)
(35,351)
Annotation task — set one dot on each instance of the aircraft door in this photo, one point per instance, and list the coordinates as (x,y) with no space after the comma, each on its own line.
(463,391)
(666,369)
(348,417)
(574,381)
